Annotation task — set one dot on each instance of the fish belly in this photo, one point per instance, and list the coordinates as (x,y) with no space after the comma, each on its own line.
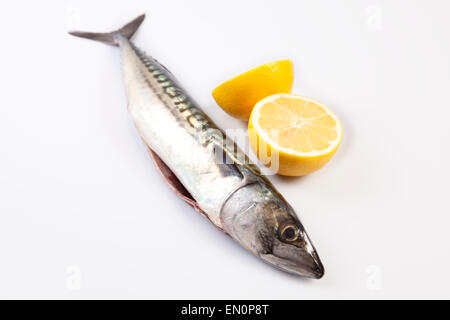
(184,138)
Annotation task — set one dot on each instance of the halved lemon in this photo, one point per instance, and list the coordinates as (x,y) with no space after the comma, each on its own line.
(239,95)
(292,134)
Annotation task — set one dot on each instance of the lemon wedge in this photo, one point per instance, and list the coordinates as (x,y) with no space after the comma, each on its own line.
(238,96)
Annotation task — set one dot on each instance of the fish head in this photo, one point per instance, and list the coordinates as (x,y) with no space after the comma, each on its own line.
(289,247)
(269,228)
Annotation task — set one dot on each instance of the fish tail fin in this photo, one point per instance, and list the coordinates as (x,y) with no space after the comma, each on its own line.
(110,38)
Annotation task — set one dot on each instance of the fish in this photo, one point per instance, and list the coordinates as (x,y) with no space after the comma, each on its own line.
(184,144)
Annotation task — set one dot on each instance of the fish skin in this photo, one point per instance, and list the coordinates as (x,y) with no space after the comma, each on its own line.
(233,195)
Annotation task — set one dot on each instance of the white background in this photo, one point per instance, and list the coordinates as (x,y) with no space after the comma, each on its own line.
(84,213)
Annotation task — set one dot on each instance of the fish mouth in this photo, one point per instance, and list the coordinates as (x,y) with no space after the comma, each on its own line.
(305,265)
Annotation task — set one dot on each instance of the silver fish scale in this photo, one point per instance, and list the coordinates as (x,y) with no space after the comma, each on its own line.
(182,135)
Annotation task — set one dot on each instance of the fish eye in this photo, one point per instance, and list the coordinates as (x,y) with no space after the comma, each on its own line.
(289,233)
